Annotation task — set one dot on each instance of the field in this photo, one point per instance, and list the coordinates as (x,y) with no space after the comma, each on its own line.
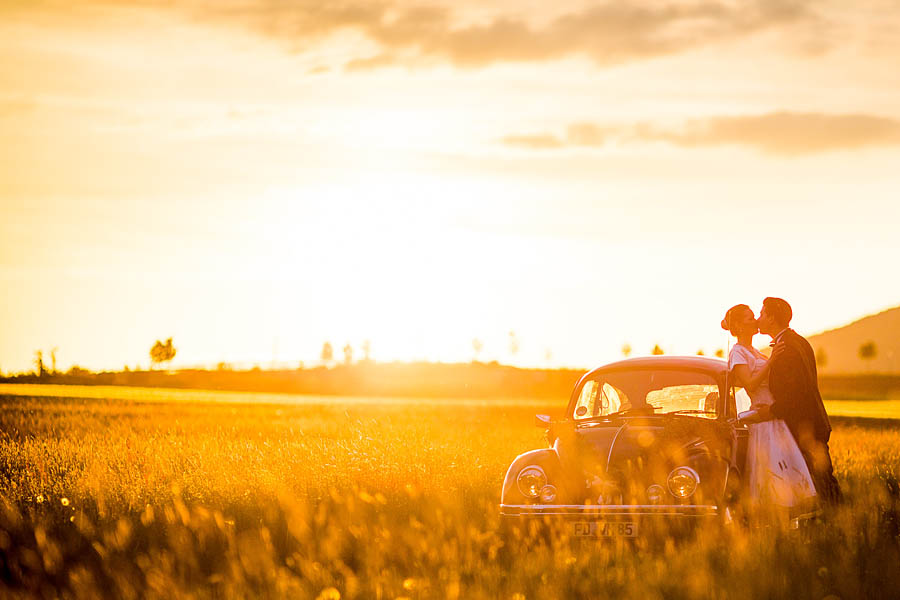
(209,495)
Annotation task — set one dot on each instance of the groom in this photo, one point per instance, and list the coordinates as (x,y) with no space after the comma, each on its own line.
(795,387)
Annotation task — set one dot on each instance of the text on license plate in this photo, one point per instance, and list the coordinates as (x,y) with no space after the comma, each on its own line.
(604,529)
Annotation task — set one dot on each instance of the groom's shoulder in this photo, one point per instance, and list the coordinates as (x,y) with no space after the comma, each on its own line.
(791,335)
(798,340)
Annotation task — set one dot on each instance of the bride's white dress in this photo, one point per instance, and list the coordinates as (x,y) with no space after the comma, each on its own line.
(777,473)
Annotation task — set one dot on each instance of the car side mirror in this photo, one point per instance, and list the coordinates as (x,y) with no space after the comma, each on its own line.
(748,417)
(542,421)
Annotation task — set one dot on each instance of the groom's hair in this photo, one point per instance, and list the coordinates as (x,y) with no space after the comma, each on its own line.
(779,309)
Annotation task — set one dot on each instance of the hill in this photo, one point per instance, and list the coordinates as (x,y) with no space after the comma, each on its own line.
(838,350)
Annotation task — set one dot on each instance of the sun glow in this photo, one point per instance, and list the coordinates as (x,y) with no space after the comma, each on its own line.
(387,266)
(256,182)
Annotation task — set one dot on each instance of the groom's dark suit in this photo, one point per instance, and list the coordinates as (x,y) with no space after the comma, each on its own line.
(794,384)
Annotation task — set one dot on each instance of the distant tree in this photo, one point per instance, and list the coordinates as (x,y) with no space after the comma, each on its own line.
(657,351)
(39,362)
(720,353)
(626,349)
(513,343)
(700,352)
(348,353)
(53,360)
(868,351)
(548,355)
(77,371)
(367,350)
(477,347)
(126,369)
(821,358)
(327,354)
(170,352)
(162,353)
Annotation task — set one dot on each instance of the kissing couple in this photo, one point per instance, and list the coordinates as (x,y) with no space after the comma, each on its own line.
(788,460)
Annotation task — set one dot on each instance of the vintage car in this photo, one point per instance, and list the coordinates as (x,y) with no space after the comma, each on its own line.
(640,438)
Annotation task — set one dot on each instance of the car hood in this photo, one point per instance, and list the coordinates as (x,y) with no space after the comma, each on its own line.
(644,450)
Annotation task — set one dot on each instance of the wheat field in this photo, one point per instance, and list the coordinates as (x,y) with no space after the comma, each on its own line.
(164,496)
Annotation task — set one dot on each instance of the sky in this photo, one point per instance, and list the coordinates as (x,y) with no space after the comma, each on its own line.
(254,178)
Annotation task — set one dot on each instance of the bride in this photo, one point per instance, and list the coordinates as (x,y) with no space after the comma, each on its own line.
(778,477)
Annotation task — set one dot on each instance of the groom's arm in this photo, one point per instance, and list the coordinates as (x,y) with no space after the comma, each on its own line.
(786,382)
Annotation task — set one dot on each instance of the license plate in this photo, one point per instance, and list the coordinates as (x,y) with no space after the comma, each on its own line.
(604,529)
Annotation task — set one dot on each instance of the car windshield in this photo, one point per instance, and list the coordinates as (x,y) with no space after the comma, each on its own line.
(653,390)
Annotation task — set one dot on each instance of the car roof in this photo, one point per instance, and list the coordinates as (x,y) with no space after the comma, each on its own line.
(715,366)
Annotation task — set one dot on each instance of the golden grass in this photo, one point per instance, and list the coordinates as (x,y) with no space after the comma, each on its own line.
(362,499)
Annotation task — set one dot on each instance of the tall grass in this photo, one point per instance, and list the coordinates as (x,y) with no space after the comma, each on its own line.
(133,499)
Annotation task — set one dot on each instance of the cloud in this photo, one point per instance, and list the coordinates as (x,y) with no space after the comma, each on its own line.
(615,31)
(14,107)
(610,33)
(789,133)
(780,133)
(588,134)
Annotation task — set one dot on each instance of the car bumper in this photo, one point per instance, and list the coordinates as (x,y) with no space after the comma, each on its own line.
(603,521)
(606,511)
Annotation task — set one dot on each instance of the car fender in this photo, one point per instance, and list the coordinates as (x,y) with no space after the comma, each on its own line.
(548,460)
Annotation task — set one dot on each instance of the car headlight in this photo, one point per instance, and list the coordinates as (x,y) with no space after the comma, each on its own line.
(530,481)
(655,493)
(548,494)
(683,482)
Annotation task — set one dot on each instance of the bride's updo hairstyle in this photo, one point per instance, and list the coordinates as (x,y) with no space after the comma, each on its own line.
(730,320)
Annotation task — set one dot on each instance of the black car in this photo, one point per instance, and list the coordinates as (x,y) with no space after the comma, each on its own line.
(645,437)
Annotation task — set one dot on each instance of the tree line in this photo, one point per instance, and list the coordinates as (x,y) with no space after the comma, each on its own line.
(164,352)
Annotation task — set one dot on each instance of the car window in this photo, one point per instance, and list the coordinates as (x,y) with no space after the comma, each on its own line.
(599,398)
(698,398)
(663,390)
